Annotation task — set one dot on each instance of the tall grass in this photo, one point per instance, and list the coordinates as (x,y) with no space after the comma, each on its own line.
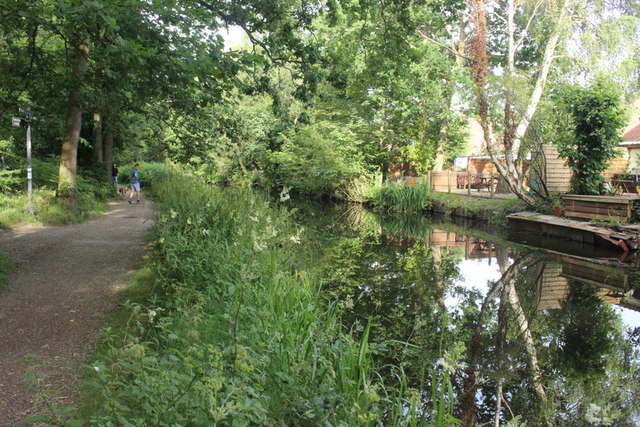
(397,197)
(234,333)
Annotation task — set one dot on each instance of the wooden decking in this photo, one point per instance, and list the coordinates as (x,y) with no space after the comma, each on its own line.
(623,238)
(620,207)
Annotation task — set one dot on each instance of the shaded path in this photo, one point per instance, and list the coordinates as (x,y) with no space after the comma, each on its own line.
(56,301)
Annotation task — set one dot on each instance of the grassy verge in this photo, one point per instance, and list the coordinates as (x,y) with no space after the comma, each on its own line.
(93,190)
(6,267)
(399,198)
(229,332)
(492,211)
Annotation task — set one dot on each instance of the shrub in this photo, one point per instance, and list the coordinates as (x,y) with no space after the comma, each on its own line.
(597,121)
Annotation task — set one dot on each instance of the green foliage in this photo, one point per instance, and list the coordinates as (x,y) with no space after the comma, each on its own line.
(234,335)
(92,192)
(397,197)
(492,211)
(597,119)
(318,160)
(583,342)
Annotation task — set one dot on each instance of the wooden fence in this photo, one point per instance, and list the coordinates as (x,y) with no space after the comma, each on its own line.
(459,182)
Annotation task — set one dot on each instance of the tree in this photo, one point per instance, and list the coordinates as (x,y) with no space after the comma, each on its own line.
(518,46)
(514,125)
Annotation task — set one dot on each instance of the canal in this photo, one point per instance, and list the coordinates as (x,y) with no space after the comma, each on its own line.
(480,324)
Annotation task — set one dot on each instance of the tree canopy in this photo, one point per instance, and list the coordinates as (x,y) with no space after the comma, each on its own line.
(377,83)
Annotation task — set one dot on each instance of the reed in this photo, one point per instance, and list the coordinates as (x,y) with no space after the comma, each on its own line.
(397,197)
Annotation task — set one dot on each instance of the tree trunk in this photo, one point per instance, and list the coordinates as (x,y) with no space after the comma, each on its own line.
(108,149)
(384,165)
(69,154)
(98,154)
(458,49)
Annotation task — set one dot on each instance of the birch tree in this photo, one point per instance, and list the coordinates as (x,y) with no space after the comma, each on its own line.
(517,17)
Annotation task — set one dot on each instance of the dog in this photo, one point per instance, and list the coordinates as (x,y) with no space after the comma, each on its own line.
(122,191)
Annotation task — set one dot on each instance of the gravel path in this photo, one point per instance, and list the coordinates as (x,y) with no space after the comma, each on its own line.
(65,283)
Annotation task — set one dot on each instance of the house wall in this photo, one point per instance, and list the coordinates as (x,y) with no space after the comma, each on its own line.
(634,160)
(618,165)
(558,175)
(484,166)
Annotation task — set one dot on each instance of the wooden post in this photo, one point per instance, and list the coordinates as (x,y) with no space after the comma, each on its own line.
(449,181)
(468,182)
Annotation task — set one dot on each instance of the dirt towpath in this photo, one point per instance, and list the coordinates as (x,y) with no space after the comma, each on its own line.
(65,283)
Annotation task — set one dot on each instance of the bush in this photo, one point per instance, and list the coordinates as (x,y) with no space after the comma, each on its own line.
(597,121)
(320,160)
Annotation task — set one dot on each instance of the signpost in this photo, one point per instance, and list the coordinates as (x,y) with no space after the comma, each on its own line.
(15,121)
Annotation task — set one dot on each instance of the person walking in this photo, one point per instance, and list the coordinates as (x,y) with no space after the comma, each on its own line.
(114,175)
(134,179)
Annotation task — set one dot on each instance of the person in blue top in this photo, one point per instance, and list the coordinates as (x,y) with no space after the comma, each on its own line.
(134,179)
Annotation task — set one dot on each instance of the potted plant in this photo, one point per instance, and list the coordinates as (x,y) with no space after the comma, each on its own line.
(557,205)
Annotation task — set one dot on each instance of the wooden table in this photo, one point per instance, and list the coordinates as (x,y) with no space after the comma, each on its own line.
(625,184)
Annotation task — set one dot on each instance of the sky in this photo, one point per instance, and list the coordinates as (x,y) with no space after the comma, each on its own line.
(233,37)
(478,273)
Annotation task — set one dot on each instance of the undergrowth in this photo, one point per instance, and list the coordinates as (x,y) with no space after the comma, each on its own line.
(92,192)
(234,334)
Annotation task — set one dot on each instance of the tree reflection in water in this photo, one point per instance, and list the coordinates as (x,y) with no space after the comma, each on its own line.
(540,344)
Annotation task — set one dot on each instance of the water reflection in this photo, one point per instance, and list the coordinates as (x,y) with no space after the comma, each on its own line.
(527,333)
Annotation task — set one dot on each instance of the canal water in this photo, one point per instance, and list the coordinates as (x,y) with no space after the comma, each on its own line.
(550,337)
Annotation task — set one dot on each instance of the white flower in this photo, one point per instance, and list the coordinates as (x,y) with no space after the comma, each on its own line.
(96,368)
(253,218)
(295,239)
(205,232)
(284,194)
(173,213)
(161,240)
(189,221)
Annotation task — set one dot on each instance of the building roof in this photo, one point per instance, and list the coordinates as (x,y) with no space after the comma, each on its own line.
(632,135)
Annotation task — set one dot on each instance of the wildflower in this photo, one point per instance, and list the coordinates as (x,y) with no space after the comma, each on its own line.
(161,240)
(173,213)
(284,194)
(253,218)
(96,368)
(189,221)
(205,232)
(295,239)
